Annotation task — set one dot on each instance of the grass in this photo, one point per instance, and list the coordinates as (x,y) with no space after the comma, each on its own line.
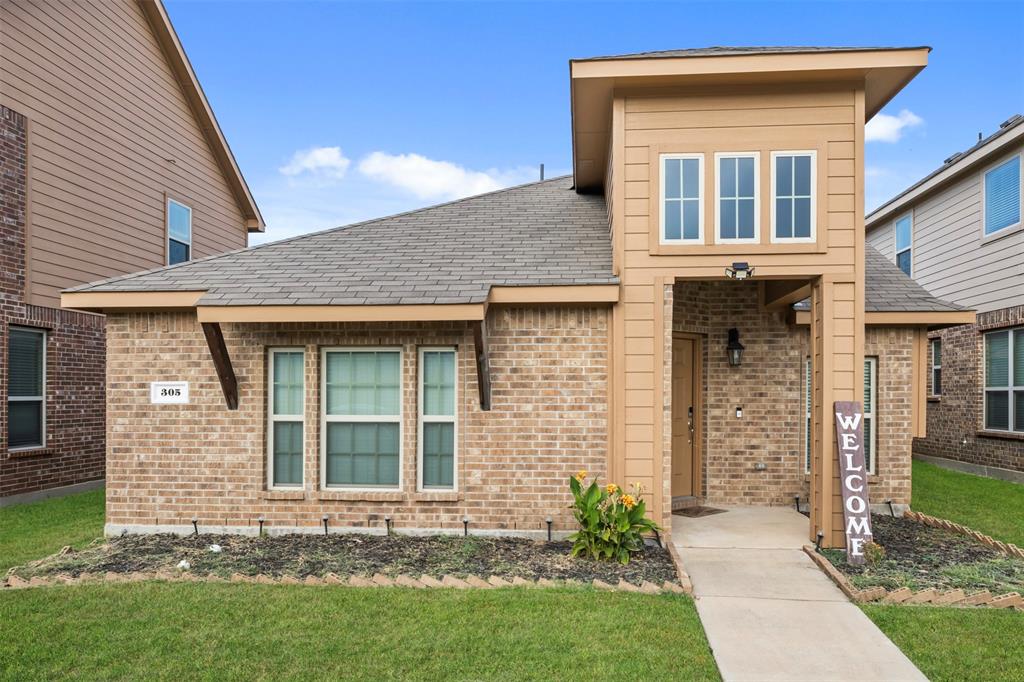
(32,531)
(986,505)
(240,631)
(956,644)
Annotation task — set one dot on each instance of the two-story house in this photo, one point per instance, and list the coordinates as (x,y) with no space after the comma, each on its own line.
(959,233)
(636,320)
(110,162)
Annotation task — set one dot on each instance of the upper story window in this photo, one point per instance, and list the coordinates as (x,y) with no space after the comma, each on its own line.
(682,198)
(26,388)
(1002,196)
(1004,380)
(179,232)
(936,367)
(793,202)
(904,240)
(736,205)
(286,409)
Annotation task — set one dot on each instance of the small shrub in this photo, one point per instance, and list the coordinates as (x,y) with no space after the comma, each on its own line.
(874,553)
(612,521)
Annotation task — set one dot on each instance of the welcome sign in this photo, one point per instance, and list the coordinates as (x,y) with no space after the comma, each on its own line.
(853,473)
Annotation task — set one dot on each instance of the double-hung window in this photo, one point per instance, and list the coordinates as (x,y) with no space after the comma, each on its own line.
(26,388)
(179,232)
(682,198)
(793,204)
(1004,380)
(1002,196)
(437,421)
(286,414)
(936,367)
(736,205)
(362,418)
(870,405)
(904,241)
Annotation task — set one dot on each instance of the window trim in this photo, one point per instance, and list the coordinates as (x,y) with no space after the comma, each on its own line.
(895,243)
(422,419)
(365,418)
(290,418)
(756,239)
(1009,389)
(1003,231)
(813,238)
(937,341)
(41,399)
(167,230)
(699,156)
(873,415)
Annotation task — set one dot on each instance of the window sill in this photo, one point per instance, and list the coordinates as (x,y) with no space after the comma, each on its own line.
(284,494)
(29,452)
(436,496)
(358,496)
(1005,435)
(935,398)
(987,239)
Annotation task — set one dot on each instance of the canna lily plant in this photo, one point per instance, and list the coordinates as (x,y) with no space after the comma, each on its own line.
(612,521)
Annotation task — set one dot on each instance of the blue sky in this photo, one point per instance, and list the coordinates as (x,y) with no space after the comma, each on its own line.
(339,112)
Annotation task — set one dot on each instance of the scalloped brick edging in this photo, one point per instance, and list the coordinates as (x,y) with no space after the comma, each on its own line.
(1005,547)
(376,580)
(905,595)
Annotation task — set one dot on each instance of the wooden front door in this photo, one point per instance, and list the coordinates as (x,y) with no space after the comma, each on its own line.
(685,416)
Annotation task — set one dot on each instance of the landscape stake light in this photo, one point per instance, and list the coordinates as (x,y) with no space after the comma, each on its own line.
(195,525)
(548,521)
(261,519)
(892,511)
(734,349)
(817,541)
(465,526)
(796,502)
(325,523)
(387,524)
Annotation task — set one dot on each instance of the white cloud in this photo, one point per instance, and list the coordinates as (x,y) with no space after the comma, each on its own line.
(886,128)
(322,164)
(430,179)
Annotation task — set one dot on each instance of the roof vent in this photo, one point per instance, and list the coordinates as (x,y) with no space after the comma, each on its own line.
(1010,121)
(952,158)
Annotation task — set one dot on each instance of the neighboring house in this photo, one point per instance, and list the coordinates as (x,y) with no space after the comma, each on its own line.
(111,162)
(959,233)
(460,362)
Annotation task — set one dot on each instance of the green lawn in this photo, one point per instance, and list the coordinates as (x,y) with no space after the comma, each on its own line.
(238,631)
(987,505)
(956,644)
(32,531)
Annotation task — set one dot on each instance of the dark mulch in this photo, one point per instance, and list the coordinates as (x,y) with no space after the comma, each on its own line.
(920,556)
(352,554)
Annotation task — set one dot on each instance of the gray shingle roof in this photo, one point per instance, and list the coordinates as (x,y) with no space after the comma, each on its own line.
(726,51)
(889,290)
(542,233)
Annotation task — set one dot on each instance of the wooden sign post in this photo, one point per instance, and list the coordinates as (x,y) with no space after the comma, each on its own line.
(854,476)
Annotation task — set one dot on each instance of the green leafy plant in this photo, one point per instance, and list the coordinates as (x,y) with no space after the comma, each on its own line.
(612,521)
(874,553)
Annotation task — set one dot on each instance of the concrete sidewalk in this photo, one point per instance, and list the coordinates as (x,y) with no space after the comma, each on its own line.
(769,612)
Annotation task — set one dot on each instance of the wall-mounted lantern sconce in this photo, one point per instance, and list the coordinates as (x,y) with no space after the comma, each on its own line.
(734,348)
(739,271)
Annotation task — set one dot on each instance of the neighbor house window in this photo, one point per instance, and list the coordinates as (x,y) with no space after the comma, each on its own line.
(362,415)
(870,401)
(793,205)
(904,239)
(1002,196)
(286,410)
(1004,380)
(936,367)
(736,215)
(437,400)
(179,232)
(808,378)
(26,388)
(682,198)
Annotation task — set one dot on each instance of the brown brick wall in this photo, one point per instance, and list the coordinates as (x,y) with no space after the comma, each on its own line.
(74,355)
(955,419)
(170,462)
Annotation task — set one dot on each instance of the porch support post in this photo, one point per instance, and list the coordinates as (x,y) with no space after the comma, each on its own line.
(483,364)
(222,363)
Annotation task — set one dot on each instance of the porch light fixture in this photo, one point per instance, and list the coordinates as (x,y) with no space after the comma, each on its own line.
(739,271)
(734,348)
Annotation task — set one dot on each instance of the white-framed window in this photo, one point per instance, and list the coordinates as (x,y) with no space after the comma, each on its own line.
(904,230)
(286,397)
(361,418)
(936,354)
(682,198)
(808,406)
(1002,196)
(179,232)
(794,188)
(1004,380)
(26,388)
(438,423)
(870,406)
(737,181)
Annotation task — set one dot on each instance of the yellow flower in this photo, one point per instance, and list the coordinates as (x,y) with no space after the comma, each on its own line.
(628,502)
(581,475)
(611,488)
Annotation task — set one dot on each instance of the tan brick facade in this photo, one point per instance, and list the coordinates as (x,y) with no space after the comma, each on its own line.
(548,420)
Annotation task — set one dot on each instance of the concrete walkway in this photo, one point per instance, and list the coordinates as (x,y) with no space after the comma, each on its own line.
(769,612)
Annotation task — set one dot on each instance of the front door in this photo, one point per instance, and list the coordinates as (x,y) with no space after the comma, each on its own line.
(685,415)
